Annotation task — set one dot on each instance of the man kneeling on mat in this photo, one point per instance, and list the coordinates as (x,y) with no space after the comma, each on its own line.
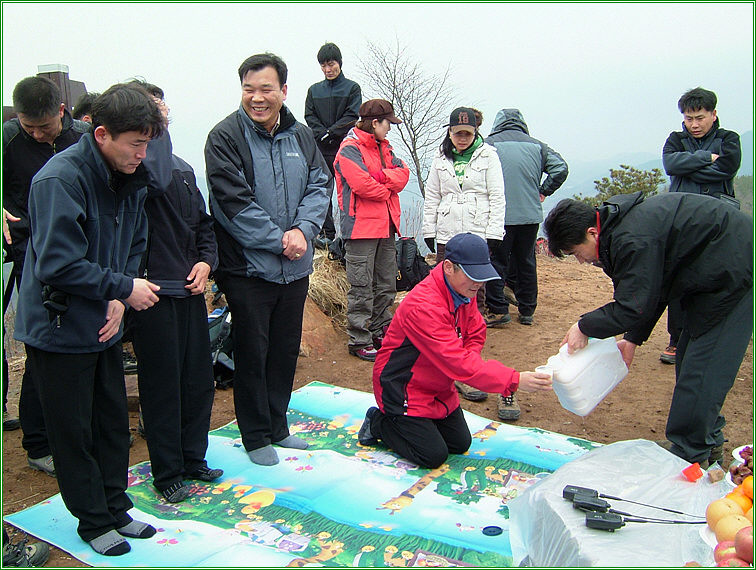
(435,338)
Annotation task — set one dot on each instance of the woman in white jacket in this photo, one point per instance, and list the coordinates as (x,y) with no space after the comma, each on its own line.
(465,188)
(464,193)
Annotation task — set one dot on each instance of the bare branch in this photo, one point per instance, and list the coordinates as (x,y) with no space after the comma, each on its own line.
(420,98)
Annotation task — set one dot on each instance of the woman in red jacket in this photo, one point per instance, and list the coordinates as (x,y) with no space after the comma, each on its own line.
(369,178)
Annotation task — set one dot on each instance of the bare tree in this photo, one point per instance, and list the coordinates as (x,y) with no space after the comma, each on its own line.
(421,99)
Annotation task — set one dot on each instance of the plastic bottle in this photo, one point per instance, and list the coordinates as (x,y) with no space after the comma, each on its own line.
(584,378)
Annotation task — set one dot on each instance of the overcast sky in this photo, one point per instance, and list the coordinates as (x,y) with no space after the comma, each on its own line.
(592,80)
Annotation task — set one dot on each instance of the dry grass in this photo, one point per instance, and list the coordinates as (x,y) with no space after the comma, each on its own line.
(328,289)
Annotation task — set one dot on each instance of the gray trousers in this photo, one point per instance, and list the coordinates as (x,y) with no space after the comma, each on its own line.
(705,369)
(371,272)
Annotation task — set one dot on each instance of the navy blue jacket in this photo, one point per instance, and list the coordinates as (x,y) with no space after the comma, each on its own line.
(88,234)
(180,231)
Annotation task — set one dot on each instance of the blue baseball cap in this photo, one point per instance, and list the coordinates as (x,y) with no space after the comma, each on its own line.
(470,252)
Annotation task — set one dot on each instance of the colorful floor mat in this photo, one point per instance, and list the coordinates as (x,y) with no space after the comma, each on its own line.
(335,504)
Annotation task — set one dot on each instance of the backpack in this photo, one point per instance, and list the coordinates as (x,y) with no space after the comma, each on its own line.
(221,347)
(411,267)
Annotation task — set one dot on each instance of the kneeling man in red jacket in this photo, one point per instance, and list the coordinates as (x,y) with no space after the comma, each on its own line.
(435,338)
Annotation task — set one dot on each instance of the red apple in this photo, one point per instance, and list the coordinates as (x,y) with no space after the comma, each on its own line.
(744,543)
(733,561)
(724,550)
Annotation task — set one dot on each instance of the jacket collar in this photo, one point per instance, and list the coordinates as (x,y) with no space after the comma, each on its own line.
(121,184)
(285,120)
(365,138)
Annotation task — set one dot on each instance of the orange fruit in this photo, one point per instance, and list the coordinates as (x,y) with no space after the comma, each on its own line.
(721,508)
(738,497)
(747,486)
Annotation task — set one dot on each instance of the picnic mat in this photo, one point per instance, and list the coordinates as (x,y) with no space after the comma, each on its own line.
(336,503)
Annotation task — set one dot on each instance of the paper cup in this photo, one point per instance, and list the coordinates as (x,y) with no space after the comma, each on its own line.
(545,370)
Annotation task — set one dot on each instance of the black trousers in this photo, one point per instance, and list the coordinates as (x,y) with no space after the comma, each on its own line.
(423,441)
(176,385)
(674,321)
(518,247)
(34,439)
(267,329)
(83,400)
(329,229)
(705,370)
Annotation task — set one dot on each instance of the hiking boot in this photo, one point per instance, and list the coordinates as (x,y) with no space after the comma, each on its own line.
(509,409)
(176,492)
(44,464)
(365,436)
(10,423)
(24,555)
(716,454)
(669,355)
(470,393)
(509,296)
(365,353)
(495,320)
(204,473)
(526,319)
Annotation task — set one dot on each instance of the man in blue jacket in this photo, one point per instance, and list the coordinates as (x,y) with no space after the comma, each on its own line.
(702,159)
(88,233)
(332,107)
(268,188)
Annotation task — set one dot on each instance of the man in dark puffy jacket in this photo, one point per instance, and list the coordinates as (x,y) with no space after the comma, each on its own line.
(171,338)
(702,159)
(671,247)
(331,108)
(268,196)
(43,127)
(88,234)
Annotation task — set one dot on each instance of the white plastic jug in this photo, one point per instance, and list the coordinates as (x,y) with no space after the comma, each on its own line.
(584,378)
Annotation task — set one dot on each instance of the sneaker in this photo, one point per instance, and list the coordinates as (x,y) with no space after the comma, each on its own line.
(129,363)
(378,339)
(497,319)
(10,423)
(204,473)
(44,464)
(365,353)
(509,409)
(365,436)
(24,555)
(509,296)
(669,355)
(176,492)
(470,393)
(526,319)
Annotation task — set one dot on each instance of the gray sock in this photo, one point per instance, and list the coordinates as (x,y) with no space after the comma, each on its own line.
(292,442)
(136,529)
(263,455)
(110,544)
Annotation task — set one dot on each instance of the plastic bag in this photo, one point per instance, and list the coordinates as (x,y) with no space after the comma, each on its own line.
(545,529)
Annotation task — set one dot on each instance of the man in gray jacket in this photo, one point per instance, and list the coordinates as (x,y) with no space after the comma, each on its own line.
(524,160)
(268,194)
